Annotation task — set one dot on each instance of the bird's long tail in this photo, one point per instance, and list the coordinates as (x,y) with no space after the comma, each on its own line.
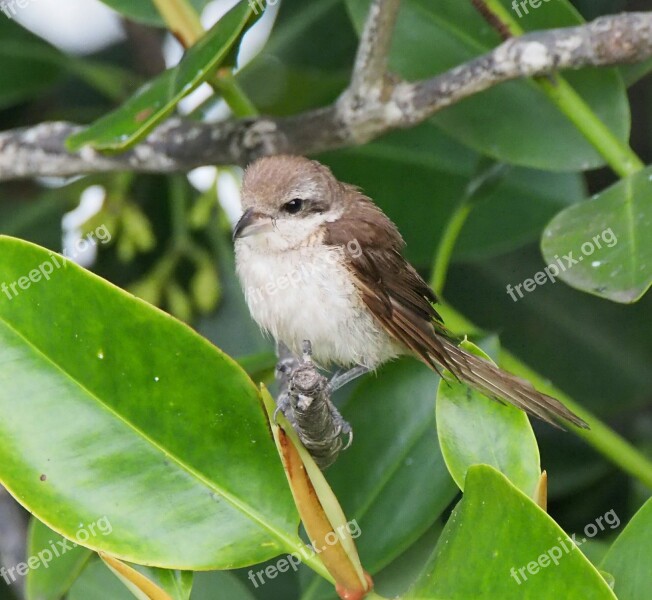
(501,385)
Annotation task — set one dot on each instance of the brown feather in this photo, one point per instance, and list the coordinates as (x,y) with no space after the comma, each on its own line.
(402,303)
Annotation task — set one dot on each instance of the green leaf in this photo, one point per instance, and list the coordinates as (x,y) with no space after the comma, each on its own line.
(144,11)
(128,415)
(152,103)
(29,64)
(474,429)
(632,74)
(609,238)
(54,575)
(630,557)
(220,585)
(513,122)
(494,534)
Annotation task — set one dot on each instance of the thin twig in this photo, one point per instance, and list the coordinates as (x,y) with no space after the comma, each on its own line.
(370,65)
(493,19)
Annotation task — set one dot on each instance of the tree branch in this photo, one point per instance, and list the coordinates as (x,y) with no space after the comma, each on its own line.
(353,119)
(304,399)
(370,65)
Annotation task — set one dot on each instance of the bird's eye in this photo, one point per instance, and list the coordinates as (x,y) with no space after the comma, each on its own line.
(293,206)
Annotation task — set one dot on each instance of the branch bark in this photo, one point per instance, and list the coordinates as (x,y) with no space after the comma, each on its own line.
(304,398)
(354,119)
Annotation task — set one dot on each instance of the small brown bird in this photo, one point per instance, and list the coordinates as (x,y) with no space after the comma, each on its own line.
(319,261)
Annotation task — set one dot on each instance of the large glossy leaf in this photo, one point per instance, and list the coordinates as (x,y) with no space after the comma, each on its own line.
(157,99)
(54,575)
(144,11)
(609,238)
(630,557)
(128,415)
(423,171)
(494,534)
(394,453)
(513,122)
(474,429)
(29,64)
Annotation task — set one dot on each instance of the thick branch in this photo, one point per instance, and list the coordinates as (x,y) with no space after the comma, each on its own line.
(304,398)
(181,145)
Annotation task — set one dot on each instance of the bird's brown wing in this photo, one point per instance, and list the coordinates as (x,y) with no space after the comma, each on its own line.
(402,302)
(390,287)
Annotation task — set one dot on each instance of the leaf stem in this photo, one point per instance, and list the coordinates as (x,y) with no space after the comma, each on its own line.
(487,175)
(447,244)
(234,95)
(182,20)
(618,154)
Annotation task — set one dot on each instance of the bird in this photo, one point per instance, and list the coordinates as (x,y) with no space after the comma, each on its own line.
(318,260)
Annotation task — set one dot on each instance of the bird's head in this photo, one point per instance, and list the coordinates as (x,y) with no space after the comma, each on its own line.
(286,201)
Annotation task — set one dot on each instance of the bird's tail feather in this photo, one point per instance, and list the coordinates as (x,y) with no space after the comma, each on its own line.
(501,385)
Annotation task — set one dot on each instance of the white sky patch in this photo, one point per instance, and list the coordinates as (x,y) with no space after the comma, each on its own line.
(195,99)
(90,203)
(228,192)
(75,26)
(202,178)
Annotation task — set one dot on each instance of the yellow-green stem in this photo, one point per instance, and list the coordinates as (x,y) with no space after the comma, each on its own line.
(182,20)
(618,154)
(234,95)
(447,244)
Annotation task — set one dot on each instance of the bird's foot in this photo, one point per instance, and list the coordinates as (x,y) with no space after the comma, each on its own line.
(342,426)
(341,378)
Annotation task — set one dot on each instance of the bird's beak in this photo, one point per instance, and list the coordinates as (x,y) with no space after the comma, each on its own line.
(251,223)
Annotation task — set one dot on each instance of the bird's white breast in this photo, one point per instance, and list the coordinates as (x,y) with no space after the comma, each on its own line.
(308,294)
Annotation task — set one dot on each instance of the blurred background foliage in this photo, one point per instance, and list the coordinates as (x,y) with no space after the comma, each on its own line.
(171,245)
